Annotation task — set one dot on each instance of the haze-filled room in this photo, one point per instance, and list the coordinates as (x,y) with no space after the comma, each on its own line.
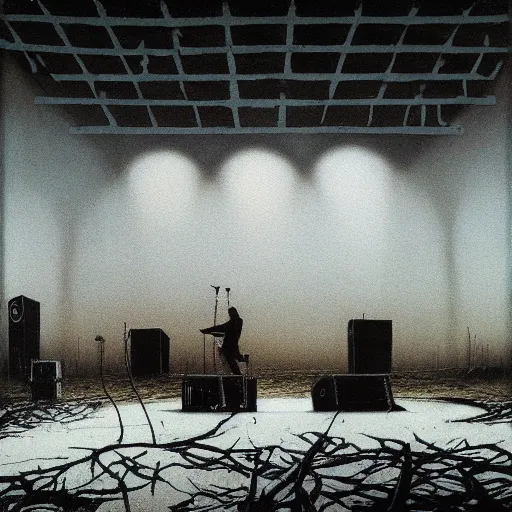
(308,229)
(276,193)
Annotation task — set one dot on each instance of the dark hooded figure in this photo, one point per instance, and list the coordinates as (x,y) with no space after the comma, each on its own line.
(232,330)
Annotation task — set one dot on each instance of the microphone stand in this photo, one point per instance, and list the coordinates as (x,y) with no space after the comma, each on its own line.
(217,288)
(204,354)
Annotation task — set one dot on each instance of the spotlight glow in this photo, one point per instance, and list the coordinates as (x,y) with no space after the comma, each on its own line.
(259,185)
(355,185)
(164,185)
(355,182)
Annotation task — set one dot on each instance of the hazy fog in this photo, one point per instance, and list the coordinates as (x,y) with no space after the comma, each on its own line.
(307,231)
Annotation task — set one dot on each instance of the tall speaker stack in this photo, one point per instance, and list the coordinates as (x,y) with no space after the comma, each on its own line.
(24,336)
(367,386)
(149,352)
(369,346)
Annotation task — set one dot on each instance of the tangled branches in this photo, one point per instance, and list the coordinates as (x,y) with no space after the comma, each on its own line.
(19,418)
(315,471)
(105,474)
(495,412)
(329,473)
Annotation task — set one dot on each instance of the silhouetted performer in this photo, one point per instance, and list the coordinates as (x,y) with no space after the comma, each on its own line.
(232,330)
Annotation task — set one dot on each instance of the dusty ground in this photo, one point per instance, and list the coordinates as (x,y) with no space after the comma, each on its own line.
(450,383)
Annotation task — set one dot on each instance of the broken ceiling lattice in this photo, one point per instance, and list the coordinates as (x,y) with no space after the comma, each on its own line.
(287,67)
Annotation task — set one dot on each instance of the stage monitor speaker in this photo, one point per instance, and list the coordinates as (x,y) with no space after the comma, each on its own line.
(149,352)
(353,393)
(24,335)
(369,346)
(219,393)
(45,380)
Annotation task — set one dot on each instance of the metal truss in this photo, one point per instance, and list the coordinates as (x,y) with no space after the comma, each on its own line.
(428,118)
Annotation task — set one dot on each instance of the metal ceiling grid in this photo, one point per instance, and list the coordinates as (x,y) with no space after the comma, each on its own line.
(403,72)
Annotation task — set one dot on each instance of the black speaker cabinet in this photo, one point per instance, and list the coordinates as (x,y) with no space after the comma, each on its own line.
(24,335)
(149,352)
(219,393)
(352,393)
(45,380)
(369,346)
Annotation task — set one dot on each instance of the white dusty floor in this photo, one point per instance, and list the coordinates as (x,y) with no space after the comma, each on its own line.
(276,422)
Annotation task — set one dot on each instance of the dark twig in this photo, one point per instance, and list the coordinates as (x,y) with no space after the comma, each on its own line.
(132,383)
(102,355)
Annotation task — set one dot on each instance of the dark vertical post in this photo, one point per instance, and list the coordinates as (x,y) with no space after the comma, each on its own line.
(204,354)
(217,288)
(469,351)
(508,88)
(4,349)
(78,355)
